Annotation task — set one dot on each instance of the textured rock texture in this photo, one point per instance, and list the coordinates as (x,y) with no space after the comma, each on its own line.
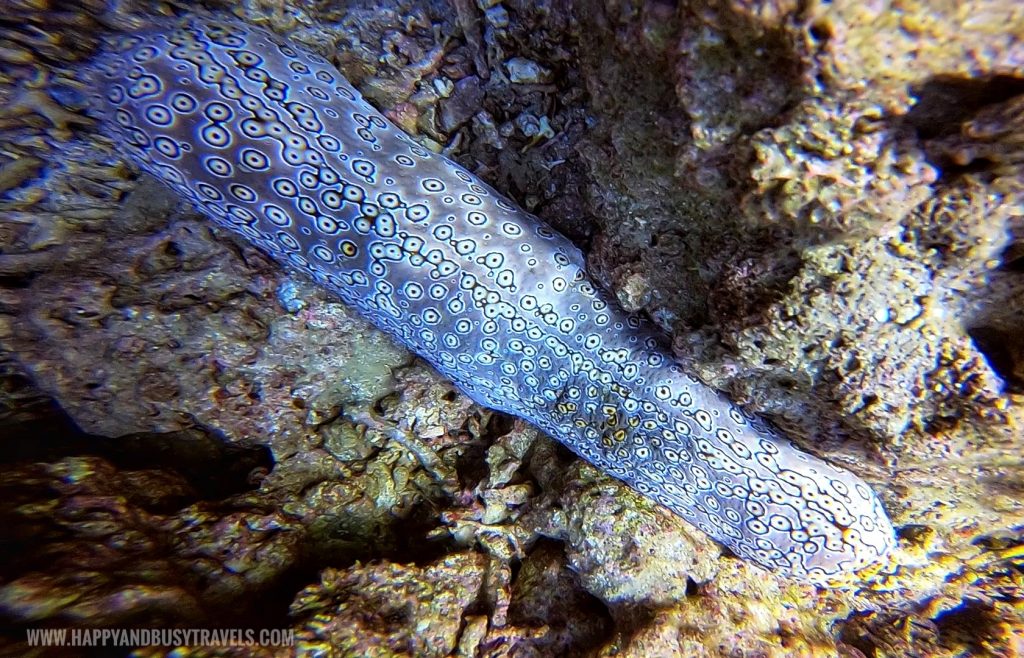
(821,203)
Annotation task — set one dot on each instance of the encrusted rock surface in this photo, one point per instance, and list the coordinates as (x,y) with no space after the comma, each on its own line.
(820,201)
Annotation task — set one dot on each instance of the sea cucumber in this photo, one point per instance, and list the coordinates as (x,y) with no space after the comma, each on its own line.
(270,141)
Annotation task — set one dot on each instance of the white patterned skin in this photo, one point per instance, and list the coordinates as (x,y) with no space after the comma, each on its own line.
(270,141)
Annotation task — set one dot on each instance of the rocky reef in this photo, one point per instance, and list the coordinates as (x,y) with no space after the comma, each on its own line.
(820,202)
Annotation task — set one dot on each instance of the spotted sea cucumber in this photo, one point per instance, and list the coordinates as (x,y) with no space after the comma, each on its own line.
(270,141)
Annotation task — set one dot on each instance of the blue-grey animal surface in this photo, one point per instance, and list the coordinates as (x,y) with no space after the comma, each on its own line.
(270,141)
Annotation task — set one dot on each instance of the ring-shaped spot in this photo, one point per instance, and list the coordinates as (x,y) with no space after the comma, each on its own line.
(137,138)
(254,160)
(413,290)
(288,240)
(167,147)
(505,279)
(253,129)
(438,291)
(183,103)
(228,40)
(493,260)
(116,94)
(456,305)
(432,185)
(331,199)
(323,253)
(241,216)
(309,179)
(257,75)
(363,225)
(417,213)
(310,124)
(247,58)
(364,168)
(317,93)
(348,248)
(389,200)
(511,229)
(218,112)
(209,191)
(216,136)
(159,115)
(299,110)
(218,166)
(431,316)
(285,187)
(326,225)
(147,85)
(329,143)
(231,91)
(145,54)
(328,176)
(243,192)
(307,206)
(353,193)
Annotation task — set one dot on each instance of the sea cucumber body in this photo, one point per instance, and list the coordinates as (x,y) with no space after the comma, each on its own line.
(269,140)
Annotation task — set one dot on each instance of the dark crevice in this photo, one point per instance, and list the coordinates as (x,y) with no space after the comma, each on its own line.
(820,32)
(1003,351)
(1012,259)
(945,102)
(572,621)
(471,465)
(951,171)
(15,281)
(972,623)
(212,470)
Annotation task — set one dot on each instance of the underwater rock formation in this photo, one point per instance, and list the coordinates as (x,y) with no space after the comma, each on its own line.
(913,385)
